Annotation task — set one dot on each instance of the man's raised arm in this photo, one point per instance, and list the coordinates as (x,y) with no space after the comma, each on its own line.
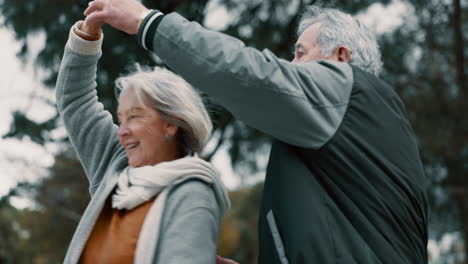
(300,104)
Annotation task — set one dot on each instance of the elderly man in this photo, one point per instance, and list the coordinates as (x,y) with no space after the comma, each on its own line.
(345,183)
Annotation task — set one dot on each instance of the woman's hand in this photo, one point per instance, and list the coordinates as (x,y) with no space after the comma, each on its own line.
(120,14)
(220,260)
(91,27)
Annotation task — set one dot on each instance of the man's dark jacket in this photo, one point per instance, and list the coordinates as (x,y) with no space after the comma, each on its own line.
(359,198)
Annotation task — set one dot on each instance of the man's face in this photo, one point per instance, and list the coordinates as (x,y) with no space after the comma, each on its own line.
(307,48)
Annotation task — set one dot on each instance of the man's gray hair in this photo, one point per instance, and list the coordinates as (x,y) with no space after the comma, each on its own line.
(338,28)
(175,100)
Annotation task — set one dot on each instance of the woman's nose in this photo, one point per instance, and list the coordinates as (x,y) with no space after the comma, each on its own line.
(123,131)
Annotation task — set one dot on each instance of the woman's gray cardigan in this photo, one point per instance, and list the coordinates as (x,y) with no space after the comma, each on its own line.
(182,226)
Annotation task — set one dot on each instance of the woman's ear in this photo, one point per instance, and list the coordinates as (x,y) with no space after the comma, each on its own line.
(171,129)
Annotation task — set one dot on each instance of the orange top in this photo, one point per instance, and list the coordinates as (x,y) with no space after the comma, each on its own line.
(114,237)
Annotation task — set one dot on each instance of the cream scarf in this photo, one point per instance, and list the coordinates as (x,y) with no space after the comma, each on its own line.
(138,185)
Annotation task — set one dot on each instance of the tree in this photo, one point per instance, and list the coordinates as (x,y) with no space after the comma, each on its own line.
(13,247)
(62,198)
(239,237)
(426,63)
(42,234)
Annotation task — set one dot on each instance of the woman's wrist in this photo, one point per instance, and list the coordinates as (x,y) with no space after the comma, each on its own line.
(84,43)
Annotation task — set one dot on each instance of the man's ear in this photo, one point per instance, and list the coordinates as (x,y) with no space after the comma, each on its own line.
(343,54)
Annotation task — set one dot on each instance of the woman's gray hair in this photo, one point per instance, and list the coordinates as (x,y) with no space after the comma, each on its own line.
(176,101)
(338,28)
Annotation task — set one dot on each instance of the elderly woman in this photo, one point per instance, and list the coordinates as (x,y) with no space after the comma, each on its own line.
(152,199)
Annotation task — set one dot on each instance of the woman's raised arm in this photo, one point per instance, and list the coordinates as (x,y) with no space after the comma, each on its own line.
(90,128)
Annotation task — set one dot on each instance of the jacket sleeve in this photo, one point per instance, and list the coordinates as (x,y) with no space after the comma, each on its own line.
(300,104)
(190,225)
(90,128)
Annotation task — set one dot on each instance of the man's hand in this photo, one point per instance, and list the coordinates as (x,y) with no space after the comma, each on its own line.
(220,260)
(120,14)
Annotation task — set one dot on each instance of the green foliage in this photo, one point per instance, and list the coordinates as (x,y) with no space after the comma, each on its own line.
(9,249)
(22,126)
(239,235)
(42,235)
(62,198)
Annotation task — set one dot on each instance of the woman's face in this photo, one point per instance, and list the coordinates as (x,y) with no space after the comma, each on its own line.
(143,133)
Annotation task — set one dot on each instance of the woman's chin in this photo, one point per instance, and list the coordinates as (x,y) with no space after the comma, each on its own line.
(133,163)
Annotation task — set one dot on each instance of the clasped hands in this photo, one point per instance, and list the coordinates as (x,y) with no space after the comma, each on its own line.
(123,15)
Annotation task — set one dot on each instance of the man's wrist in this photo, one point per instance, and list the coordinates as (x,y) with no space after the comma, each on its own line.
(142,17)
(147,28)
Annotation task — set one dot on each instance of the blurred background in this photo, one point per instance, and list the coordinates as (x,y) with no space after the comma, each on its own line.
(43,191)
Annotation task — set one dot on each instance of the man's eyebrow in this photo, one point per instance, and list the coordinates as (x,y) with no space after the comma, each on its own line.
(298,46)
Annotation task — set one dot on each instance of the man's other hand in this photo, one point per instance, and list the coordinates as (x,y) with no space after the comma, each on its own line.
(220,260)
